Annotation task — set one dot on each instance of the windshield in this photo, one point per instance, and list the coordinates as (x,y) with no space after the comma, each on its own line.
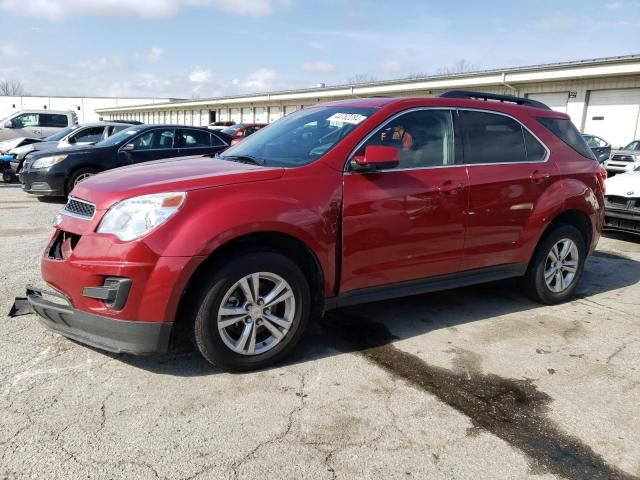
(635,145)
(119,137)
(302,137)
(232,130)
(58,135)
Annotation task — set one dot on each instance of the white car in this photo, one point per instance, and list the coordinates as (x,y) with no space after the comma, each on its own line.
(625,160)
(622,202)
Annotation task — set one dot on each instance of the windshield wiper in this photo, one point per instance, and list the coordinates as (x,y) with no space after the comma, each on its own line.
(244,159)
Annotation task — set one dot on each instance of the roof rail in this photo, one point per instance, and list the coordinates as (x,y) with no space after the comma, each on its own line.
(492,96)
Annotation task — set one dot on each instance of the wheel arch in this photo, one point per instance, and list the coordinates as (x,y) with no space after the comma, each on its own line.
(283,243)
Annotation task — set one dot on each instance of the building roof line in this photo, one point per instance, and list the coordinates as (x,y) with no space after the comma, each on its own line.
(328,90)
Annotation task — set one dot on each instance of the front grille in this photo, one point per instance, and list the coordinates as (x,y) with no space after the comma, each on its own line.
(80,208)
(622,203)
(623,158)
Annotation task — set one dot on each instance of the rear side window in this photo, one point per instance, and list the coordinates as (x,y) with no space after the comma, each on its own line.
(535,151)
(194,139)
(53,120)
(216,142)
(492,138)
(568,133)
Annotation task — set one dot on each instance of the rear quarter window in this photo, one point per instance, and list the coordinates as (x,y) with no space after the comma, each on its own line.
(569,134)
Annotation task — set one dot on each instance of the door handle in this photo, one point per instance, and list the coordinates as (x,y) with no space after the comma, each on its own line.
(539,177)
(450,187)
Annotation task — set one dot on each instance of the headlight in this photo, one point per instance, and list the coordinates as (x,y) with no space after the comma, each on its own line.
(46,162)
(136,216)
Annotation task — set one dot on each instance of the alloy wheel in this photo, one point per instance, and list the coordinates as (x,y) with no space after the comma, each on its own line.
(256,313)
(561,265)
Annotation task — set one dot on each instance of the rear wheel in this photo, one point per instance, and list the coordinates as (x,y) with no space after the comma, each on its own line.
(556,266)
(78,176)
(252,312)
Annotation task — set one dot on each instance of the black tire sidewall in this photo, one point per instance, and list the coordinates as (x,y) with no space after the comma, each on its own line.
(534,280)
(206,335)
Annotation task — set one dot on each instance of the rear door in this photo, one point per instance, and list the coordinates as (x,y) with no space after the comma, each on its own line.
(149,145)
(193,142)
(51,123)
(406,223)
(508,172)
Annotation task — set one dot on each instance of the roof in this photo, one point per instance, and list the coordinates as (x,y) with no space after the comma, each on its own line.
(620,65)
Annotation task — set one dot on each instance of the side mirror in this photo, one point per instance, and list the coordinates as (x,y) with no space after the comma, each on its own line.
(128,147)
(71,140)
(8,124)
(376,157)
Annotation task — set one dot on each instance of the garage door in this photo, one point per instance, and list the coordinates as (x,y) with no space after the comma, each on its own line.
(614,115)
(274,114)
(236,115)
(261,115)
(556,101)
(290,109)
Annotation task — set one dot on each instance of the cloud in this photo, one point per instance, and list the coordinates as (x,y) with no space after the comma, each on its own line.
(147,9)
(615,6)
(154,54)
(260,80)
(9,50)
(318,67)
(199,75)
(392,66)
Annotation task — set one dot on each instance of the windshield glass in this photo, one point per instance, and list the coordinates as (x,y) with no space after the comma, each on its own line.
(232,130)
(119,137)
(58,135)
(302,137)
(635,145)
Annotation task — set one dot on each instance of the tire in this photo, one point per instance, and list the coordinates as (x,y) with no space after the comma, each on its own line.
(7,176)
(553,290)
(224,288)
(77,176)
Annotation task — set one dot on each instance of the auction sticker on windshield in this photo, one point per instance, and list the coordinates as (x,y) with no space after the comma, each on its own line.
(354,118)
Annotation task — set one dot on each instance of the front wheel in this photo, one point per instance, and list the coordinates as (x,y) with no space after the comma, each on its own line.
(252,312)
(556,266)
(77,177)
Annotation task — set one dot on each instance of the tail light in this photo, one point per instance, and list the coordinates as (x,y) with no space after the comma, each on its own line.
(601,174)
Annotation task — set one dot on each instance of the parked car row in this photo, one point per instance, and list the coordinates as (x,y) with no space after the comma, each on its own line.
(336,204)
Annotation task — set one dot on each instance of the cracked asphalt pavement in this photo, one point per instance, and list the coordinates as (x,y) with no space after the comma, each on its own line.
(471,383)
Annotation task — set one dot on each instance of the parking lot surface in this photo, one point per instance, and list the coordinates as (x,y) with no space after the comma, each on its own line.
(471,383)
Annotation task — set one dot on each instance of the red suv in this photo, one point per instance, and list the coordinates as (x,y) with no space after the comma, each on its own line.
(337,204)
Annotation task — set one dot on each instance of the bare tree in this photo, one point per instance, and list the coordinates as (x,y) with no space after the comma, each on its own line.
(461,66)
(361,78)
(11,88)
(417,75)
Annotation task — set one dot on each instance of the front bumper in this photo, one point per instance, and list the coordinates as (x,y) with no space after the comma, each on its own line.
(42,183)
(113,335)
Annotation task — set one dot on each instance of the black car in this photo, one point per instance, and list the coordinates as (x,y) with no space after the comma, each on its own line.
(599,146)
(55,173)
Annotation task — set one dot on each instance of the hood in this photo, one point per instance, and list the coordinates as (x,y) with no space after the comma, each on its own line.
(11,144)
(175,174)
(626,152)
(624,184)
(67,150)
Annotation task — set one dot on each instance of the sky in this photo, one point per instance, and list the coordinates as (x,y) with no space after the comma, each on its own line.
(210,48)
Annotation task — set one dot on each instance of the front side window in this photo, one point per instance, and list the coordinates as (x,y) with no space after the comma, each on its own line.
(26,120)
(492,138)
(302,137)
(424,138)
(154,140)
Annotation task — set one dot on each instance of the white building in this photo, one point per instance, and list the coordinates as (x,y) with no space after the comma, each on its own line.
(85,107)
(602,96)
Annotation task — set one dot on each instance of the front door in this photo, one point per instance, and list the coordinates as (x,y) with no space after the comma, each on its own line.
(508,173)
(406,223)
